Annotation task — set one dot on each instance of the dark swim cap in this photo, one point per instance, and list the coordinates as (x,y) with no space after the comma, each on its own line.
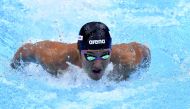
(94,36)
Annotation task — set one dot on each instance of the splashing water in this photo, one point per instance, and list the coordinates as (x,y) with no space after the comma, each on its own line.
(162,25)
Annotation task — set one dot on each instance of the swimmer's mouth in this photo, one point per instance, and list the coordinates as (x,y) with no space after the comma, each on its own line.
(97,71)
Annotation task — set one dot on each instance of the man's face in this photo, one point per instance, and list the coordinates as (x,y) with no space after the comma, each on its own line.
(95,62)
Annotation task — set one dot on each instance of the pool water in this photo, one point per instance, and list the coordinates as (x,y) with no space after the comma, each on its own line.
(161,25)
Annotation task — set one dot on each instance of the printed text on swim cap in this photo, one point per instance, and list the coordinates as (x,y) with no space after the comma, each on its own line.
(91,42)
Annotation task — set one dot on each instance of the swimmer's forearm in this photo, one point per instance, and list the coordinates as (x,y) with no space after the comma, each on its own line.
(24,54)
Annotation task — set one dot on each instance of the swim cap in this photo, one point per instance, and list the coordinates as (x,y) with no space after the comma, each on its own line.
(94,36)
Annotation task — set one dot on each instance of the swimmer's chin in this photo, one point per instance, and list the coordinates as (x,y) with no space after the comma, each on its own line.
(95,76)
(96,79)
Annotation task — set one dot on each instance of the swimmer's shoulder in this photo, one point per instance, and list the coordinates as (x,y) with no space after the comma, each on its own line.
(54,48)
(47,44)
(54,43)
(132,45)
(132,50)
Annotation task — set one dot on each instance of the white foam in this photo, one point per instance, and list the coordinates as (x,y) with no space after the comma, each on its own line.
(5,81)
(72,77)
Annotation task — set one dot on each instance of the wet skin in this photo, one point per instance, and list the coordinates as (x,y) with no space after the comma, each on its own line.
(53,56)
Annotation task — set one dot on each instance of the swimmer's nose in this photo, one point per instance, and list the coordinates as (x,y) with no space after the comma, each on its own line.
(97,64)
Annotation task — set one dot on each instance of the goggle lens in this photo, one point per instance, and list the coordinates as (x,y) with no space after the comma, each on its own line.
(105,56)
(90,58)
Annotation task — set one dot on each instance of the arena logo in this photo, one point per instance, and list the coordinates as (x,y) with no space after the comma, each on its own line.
(91,42)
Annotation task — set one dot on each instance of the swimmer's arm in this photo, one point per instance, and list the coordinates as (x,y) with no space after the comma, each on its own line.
(142,55)
(126,58)
(42,53)
(52,56)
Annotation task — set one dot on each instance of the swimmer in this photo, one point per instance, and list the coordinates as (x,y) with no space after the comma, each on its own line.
(93,52)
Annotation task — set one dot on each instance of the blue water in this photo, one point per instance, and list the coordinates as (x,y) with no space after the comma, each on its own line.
(162,25)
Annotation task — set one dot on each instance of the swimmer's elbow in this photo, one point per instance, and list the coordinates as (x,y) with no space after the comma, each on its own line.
(146,57)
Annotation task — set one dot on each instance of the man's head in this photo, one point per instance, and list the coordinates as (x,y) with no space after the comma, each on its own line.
(94,44)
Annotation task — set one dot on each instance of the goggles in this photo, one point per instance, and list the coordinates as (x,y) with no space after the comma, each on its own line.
(91,57)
